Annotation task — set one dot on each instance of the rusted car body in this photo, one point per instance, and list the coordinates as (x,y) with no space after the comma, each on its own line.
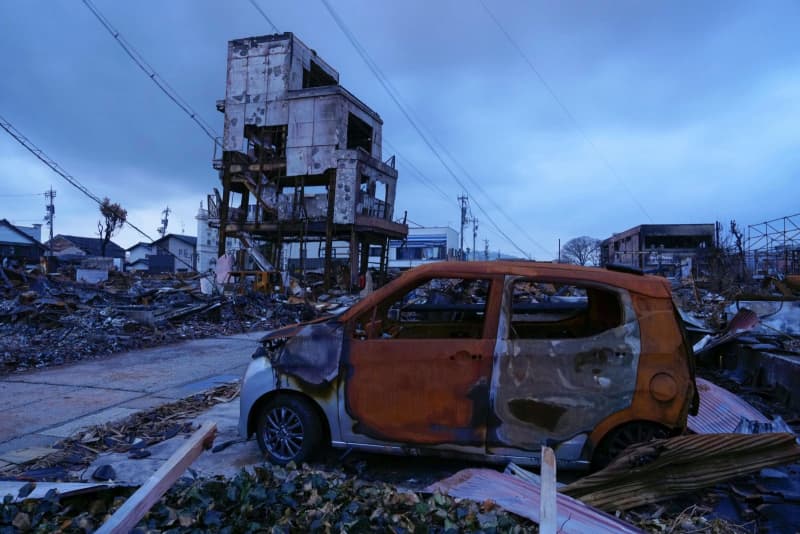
(481,359)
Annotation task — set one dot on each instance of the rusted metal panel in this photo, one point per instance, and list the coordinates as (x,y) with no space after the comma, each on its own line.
(720,410)
(545,389)
(421,391)
(662,469)
(523,498)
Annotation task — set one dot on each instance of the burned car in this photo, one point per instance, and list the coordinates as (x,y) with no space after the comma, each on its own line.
(488,360)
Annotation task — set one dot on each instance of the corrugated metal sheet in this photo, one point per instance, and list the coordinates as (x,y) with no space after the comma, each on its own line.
(662,469)
(522,498)
(720,410)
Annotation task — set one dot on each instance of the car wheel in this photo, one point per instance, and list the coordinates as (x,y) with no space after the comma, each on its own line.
(288,430)
(622,437)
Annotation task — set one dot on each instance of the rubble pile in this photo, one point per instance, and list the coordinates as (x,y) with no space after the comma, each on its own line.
(775,303)
(51,320)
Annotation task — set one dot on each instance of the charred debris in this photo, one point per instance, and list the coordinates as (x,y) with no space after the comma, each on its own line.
(52,319)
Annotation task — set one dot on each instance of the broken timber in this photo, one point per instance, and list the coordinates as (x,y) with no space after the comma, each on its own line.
(130,513)
(547,502)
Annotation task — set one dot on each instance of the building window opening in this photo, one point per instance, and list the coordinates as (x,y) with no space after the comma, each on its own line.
(315,76)
(359,134)
(267,143)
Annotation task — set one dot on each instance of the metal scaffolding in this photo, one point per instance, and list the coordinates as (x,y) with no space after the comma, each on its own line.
(773,247)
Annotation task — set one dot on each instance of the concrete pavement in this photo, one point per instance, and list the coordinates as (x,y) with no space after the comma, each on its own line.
(40,407)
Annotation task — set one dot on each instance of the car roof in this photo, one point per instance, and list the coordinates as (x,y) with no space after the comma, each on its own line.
(647,285)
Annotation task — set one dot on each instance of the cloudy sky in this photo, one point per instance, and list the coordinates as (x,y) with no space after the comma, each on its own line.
(669,112)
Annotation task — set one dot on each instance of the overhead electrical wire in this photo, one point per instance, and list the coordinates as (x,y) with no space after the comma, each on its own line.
(565,109)
(416,173)
(385,84)
(255,5)
(419,174)
(151,73)
(56,168)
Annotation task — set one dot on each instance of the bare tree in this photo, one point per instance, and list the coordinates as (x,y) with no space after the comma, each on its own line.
(114,217)
(582,250)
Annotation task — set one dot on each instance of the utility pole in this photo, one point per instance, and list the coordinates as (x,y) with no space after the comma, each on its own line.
(474,235)
(51,214)
(464,203)
(486,249)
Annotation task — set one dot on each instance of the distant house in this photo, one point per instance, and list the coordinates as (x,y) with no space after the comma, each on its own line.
(17,243)
(137,256)
(182,248)
(426,244)
(71,247)
(171,253)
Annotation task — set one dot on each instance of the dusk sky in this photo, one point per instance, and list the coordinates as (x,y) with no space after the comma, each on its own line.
(652,112)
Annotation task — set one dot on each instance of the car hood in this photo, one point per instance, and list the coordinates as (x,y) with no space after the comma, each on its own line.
(291,330)
(308,351)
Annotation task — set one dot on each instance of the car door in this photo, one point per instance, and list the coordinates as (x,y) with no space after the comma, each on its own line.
(566,359)
(418,363)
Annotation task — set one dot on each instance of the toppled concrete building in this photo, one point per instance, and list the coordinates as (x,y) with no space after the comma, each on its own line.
(301,158)
(652,247)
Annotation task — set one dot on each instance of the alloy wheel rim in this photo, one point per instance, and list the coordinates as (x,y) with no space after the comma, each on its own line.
(283,433)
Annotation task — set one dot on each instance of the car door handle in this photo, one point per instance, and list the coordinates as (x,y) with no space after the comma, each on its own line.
(465,355)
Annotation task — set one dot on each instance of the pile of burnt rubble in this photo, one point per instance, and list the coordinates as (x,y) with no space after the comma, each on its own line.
(52,319)
(770,320)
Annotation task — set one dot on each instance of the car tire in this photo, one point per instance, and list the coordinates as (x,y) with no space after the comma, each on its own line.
(622,437)
(288,430)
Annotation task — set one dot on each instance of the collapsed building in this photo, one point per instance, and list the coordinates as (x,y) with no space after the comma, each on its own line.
(301,162)
(655,247)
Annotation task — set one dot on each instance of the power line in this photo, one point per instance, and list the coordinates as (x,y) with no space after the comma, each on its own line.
(22,195)
(415,171)
(274,28)
(56,168)
(494,204)
(478,186)
(565,109)
(386,85)
(44,158)
(151,73)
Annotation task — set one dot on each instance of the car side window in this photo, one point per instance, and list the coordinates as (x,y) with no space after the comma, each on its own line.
(437,308)
(543,309)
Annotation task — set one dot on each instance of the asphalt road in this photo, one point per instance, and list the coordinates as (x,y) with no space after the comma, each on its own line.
(40,407)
